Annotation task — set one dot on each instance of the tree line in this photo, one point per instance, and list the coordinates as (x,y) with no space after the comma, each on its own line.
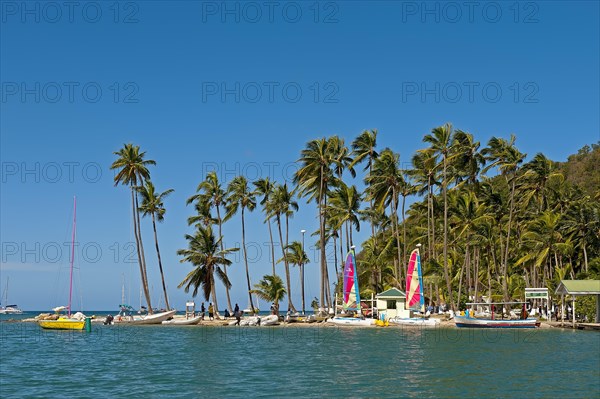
(491,223)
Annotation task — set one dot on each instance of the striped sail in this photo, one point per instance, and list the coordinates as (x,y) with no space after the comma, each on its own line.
(351,295)
(414,283)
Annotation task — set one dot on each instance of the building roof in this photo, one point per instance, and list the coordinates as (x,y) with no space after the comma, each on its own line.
(578,287)
(392,293)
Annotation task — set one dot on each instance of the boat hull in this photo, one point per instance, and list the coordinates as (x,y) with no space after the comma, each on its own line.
(183,322)
(62,324)
(156,318)
(414,321)
(352,321)
(470,322)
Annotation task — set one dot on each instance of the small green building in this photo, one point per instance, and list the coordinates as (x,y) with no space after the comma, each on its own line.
(392,303)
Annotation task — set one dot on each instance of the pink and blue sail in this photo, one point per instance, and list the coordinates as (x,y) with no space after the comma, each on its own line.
(351,293)
(415,299)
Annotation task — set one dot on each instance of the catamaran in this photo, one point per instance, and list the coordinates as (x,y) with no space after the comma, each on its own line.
(126,316)
(67,322)
(415,300)
(352,315)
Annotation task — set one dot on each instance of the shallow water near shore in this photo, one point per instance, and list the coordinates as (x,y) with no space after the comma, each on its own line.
(319,361)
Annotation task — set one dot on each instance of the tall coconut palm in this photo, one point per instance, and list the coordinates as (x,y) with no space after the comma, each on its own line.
(133,171)
(385,183)
(440,141)
(205,253)
(264,187)
(211,192)
(506,157)
(314,179)
(345,204)
(270,289)
(425,175)
(152,204)
(295,255)
(281,204)
(239,196)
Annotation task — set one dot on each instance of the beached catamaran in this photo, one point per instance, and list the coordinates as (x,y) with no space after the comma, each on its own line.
(68,323)
(352,315)
(415,300)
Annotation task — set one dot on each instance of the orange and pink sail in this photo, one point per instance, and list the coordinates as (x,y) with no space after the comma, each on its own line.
(351,293)
(414,283)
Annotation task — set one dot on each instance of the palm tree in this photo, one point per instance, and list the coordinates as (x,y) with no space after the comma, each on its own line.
(506,157)
(152,204)
(265,187)
(345,204)
(133,171)
(270,289)
(211,192)
(440,140)
(205,253)
(314,179)
(424,173)
(385,183)
(239,196)
(282,203)
(296,256)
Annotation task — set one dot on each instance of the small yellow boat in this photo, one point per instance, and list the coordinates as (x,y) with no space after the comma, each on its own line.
(64,323)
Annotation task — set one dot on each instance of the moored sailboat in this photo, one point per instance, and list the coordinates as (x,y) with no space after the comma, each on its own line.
(9,309)
(67,322)
(352,315)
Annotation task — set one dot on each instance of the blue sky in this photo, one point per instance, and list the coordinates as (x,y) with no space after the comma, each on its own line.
(241,87)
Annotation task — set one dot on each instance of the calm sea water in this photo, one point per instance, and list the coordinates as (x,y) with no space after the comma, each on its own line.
(196,361)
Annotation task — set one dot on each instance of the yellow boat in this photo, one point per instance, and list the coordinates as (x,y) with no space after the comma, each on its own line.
(64,323)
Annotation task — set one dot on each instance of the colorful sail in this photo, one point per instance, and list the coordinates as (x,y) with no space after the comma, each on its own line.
(351,295)
(414,283)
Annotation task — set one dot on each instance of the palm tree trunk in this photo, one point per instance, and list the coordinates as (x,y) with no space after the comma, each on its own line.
(272,246)
(404,231)
(213,288)
(445,189)
(322,240)
(214,293)
(460,279)
(143,257)
(585,257)
(137,242)
(285,262)
(476,254)
(505,265)
(246,261)
(162,275)
(287,266)
(395,221)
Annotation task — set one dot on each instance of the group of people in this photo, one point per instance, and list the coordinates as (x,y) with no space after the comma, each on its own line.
(237,313)
(211,311)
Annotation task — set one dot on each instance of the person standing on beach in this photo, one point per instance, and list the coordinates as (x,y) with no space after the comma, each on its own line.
(236,309)
(211,311)
(202,310)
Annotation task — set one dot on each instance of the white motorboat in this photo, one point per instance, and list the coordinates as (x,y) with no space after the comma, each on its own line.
(126,316)
(182,321)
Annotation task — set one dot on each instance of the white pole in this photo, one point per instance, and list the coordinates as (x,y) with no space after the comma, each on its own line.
(573,311)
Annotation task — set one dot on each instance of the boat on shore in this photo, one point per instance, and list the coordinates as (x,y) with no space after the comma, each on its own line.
(182,321)
(469,321)
(352,315)
(126,316)
(415,299)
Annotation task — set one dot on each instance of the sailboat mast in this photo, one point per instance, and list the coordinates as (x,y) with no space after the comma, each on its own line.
(72,252)
(358,307)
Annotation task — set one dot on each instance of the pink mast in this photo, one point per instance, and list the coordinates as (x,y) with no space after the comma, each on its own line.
(72,252)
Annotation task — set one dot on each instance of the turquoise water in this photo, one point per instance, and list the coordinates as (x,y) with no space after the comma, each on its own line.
(196,361)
